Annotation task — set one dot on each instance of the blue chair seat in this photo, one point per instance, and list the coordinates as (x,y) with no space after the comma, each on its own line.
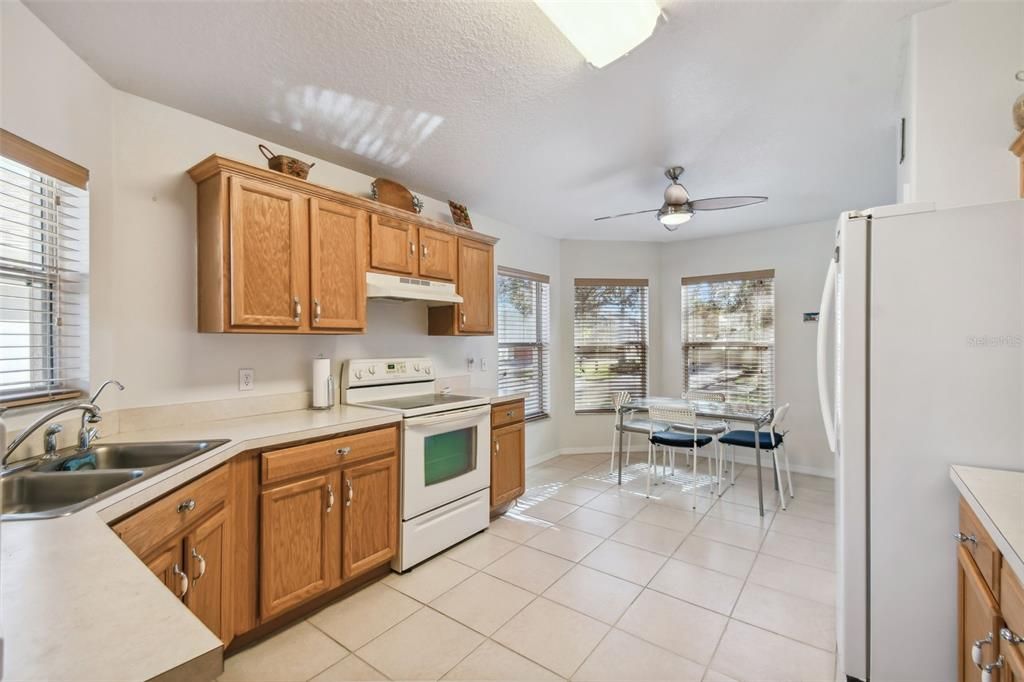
(745,439)
(676,439)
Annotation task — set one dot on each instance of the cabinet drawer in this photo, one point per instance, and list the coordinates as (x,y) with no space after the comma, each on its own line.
(1011,603)
(175,512)
(507,413)
(984,552)
(281,465)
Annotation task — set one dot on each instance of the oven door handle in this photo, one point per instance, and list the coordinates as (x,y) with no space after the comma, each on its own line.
(454,416)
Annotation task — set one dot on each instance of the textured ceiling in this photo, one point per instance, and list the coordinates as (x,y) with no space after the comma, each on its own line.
(488,104)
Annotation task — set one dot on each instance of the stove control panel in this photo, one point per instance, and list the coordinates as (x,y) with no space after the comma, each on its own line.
(378,371)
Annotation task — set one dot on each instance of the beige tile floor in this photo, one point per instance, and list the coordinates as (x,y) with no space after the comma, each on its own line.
(585,580)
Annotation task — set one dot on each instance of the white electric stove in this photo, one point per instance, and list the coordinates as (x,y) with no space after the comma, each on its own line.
(445,462)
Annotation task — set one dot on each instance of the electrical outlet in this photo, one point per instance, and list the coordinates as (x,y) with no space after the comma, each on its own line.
(469,364)
(246,379)
(483,364)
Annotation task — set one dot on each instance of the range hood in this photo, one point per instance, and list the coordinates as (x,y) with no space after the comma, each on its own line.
(395,288)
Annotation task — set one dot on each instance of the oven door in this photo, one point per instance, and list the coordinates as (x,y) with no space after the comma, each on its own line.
(446,457)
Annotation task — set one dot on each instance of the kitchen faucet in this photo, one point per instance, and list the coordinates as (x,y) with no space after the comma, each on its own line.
(86,434)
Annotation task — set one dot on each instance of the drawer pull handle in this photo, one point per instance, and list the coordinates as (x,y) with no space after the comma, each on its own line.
(976,651)
(330,497)
(184,580)
(297,309)
(462,318)
(961,538)
(497,447)
(186,506)
(344,451)
(202,564)
(1011,636)
(425,252)
(348,502)
(986,670)
(412,249)
(509,413)
(316,309)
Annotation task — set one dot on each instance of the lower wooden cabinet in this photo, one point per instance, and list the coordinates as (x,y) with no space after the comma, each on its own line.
(185,539)
(978,622)
(299,537)
(369,520)
(508,454)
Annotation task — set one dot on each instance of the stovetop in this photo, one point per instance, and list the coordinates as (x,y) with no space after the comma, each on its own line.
(415,402)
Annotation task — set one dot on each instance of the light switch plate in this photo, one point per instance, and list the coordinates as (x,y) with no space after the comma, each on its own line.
(246,379)
(483,364)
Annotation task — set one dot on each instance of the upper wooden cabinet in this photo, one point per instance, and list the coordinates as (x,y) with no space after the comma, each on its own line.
(338,245)
(393,246)
(439,254)
(282,255)
(267,241)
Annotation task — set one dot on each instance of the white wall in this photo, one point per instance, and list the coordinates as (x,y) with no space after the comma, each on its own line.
(143,224)
(959,87)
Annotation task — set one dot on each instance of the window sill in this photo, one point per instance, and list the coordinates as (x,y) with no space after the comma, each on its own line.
(17,405)
(537,417)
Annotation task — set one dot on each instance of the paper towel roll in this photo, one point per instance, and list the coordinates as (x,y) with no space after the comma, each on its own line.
(323,384)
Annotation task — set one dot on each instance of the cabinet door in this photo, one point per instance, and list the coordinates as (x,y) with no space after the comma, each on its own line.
(508,464)
(337,254)
(267,228)
(439,254)
(476,286)
(370,518)
(1013,662)
(296,541)
(392,245)
(978,618)
(207,555)
(166,562)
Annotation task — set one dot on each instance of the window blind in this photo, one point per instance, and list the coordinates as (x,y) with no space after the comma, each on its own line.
(44,254)
(524,338)
(729,336)
(610,330)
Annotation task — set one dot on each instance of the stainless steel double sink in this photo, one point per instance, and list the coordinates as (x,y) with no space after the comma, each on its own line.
(75,478)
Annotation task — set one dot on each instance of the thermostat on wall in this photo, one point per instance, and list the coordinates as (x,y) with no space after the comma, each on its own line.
(810,317)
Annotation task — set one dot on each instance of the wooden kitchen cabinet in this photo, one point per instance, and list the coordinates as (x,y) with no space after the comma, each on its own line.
(393,246)
(267,237)
(370,518)
(508,454)
(978,620)
(185,539)
(439,254)
(299,537)
(475,315)
(337,254)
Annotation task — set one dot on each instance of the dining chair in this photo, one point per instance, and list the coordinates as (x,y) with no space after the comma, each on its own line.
(629,427)
(714,428)
(671,428)
(772,440)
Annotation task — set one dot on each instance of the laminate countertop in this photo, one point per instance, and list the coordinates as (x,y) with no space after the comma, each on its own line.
(996,496)
(75,602)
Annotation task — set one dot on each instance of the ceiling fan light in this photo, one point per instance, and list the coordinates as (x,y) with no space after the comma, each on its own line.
(673,216)
(603,31)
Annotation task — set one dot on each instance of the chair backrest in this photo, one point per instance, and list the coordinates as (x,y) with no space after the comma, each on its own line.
(709,396)
(671,417)
(780,416)
(619,398)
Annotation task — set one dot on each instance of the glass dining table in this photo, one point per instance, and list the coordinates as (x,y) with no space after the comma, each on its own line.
(756,416)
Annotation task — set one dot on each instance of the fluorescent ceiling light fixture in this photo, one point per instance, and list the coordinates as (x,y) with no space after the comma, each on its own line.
(603,31)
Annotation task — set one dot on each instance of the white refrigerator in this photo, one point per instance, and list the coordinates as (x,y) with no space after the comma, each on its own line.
(920,366)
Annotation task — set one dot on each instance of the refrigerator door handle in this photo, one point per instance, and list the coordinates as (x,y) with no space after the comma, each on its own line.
(828,296)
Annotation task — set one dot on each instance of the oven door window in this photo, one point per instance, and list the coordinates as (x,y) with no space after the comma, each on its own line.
(449,455)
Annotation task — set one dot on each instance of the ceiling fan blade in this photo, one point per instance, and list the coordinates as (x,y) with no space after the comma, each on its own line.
(719,203)
(621,215)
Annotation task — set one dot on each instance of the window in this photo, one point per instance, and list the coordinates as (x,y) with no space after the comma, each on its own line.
(524,338)
(44,252)
(729,336)
(610,339)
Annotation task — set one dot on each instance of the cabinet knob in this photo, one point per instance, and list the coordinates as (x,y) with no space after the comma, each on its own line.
(186,506)
(297,314)
(344,451)
(509,413)
(202,564)
(183,578)
(348,482)
(330,497)
(961,538)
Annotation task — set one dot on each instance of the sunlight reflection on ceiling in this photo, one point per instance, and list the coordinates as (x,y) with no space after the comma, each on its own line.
(379,132)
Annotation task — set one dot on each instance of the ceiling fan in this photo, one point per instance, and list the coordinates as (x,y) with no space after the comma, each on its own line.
(678,207)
